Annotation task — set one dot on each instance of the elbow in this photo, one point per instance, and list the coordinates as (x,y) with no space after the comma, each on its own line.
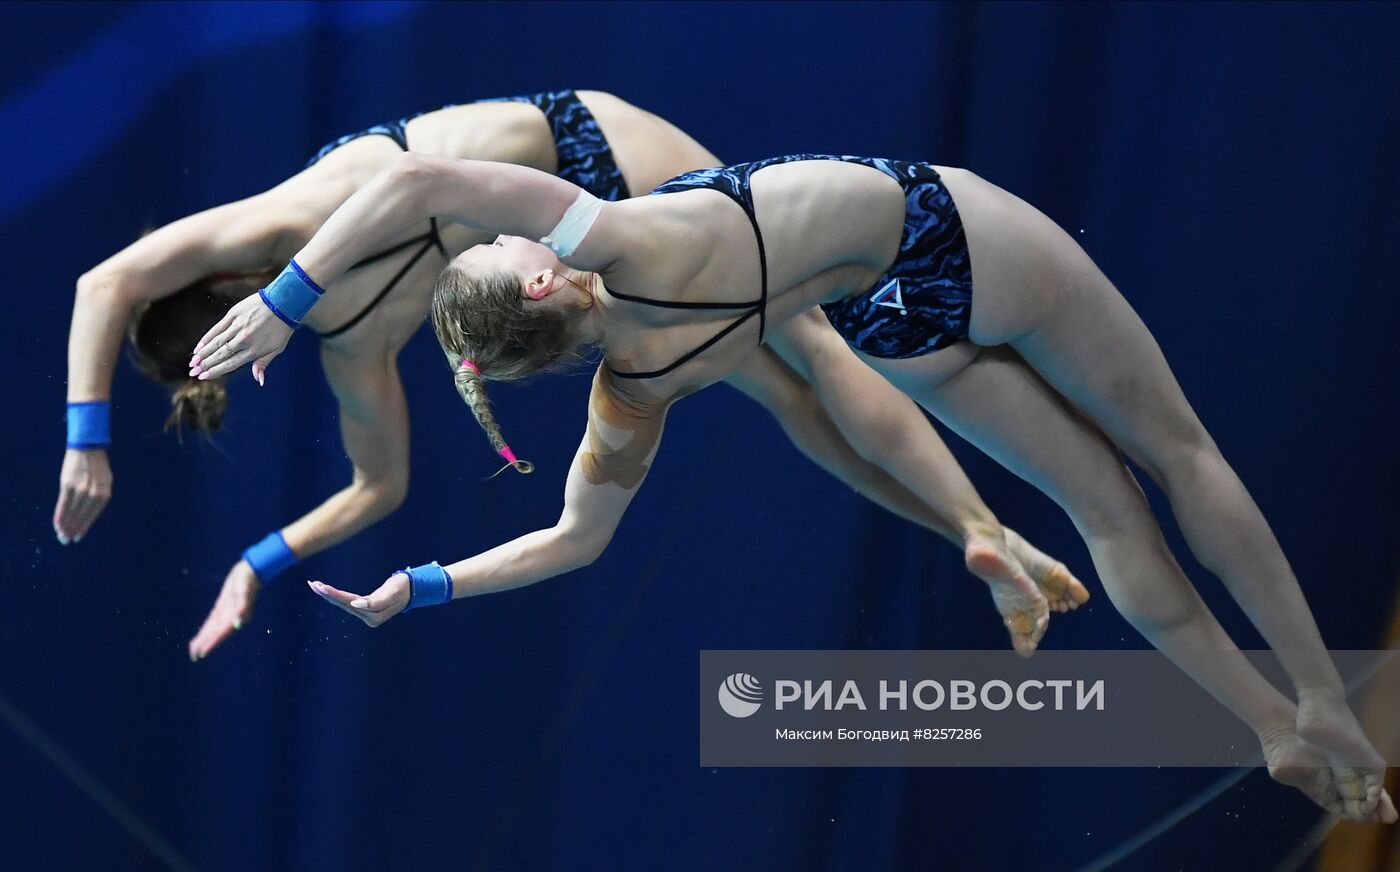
(384,497)
(583,547)
(411,170)
(97,284)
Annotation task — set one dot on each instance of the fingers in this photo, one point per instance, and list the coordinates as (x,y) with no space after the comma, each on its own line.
(342,600)
(380,600)
(260,368)
(216,629)
(231,610)
(63,513)
(78,509)
(207,340)
(223,357)
(86,513)
(231,364)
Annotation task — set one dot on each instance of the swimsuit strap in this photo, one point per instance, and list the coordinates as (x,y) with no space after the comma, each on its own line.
(757,307)
(430,240)
(390,252)
(678,304)
(397,131)
(688,356)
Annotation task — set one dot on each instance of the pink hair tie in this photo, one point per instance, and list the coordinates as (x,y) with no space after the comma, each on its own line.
(467,364)
(508,455)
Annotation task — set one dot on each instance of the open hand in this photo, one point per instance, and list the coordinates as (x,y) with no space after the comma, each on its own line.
(250,332)
(375,609)
(84,487)
(230,612)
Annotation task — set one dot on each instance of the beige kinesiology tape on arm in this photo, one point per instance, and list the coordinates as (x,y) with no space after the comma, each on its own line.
(622,434)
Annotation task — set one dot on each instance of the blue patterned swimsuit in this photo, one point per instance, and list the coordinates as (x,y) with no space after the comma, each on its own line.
(585,158)
(921,304)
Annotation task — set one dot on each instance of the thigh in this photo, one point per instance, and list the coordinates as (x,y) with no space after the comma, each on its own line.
(998,403)
(1095,350)
(1035,288)
(812,347)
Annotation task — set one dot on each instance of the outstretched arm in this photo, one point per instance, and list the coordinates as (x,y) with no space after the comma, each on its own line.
(619,444)
(374,430)
(236,237)
(489,196)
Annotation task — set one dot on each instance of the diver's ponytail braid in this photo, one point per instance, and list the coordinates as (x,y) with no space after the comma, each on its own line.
(472,387)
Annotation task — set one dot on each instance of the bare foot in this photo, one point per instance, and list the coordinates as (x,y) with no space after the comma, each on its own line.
(1024,609)
(1358,771)
(1294,762)
(1062,590)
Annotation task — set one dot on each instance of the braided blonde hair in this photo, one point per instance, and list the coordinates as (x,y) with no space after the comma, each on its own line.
(486,331)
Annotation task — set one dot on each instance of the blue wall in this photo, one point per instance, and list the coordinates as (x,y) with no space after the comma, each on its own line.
(1231,167)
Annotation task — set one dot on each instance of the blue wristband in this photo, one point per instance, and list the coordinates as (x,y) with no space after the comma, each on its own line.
(270,557)
(428,585)
(89,424)
(291,295)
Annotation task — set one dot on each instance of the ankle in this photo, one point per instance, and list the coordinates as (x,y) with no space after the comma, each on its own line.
(1321,695)
(979,527)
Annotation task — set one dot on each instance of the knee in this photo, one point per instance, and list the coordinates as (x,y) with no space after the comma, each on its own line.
(1182,454)
(879,434)
(1145,584)
(1113,508)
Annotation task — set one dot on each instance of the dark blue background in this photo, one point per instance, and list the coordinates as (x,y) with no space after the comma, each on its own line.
(1231,167)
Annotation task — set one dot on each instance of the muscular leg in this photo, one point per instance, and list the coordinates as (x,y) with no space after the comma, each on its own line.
(888,429)
(1039,291)
(999,404)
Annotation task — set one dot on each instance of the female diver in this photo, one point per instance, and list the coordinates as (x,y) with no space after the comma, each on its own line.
(1042,364)
(171,284)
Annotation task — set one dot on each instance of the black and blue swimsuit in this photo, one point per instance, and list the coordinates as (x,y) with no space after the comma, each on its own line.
(585,158)
(923,302)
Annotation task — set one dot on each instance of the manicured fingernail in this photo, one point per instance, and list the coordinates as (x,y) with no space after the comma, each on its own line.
(203,376)
(360,604)
(192,657)
(238,625)
(62,539)
(77,539)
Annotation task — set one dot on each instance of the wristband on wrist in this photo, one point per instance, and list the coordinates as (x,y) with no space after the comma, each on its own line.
(270,556)
(89,424)
(428,585)
(291,295)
